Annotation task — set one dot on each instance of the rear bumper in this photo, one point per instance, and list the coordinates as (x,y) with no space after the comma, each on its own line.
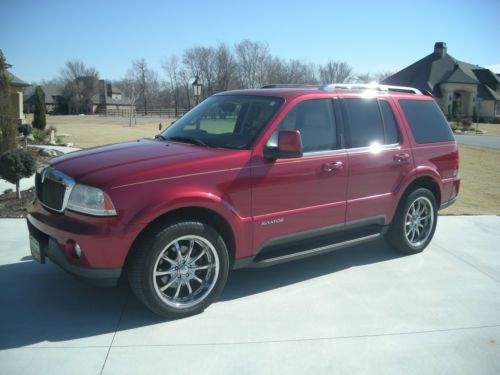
(447,204)
(51,249)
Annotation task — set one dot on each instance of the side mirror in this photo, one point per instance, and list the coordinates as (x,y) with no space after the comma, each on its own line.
(289,146)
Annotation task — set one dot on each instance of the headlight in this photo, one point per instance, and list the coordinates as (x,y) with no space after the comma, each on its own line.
(90,200)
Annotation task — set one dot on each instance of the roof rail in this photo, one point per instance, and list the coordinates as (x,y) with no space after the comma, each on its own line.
(290,86)
(376,87)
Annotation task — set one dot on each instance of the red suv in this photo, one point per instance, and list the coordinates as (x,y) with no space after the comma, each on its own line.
(248,178)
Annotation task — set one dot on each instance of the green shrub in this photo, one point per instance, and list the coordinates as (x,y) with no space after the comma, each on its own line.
(39,120)
(7,191)
(25,129)
(16,164)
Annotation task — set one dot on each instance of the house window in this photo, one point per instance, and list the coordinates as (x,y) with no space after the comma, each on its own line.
(497,109)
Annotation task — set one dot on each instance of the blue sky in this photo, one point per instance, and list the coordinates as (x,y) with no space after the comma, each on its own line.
(39,36)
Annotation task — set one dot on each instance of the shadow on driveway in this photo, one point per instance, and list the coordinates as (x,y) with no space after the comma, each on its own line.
(43,306)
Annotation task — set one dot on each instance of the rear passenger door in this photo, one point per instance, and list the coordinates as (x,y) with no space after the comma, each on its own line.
(379,157)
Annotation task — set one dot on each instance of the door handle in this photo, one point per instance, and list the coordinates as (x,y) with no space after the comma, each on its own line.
(332,167)
(401,158)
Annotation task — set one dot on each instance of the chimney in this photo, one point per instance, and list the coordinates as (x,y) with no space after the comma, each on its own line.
(440,49)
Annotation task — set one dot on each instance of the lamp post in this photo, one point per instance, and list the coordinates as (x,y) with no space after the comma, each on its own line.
(479,102)
(197,85)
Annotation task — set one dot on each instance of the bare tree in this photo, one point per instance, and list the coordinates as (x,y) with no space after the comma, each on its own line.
(172,68)
(252,58)
(364,78)
(129,87)
(289,72)
(335,72)
(225,68)
(147,83)
(80,86)
(185,83)
(380,76)
(373,77)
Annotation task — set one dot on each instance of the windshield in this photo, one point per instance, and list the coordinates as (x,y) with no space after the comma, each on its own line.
(227,121)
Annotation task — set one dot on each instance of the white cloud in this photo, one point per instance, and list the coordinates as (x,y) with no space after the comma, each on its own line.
(495,68)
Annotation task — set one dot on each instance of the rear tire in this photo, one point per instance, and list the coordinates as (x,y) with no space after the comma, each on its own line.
(414,223)
(180,269)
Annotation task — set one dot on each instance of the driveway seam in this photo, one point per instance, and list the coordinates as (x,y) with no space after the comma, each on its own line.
(331,338)
(469,264)
(116,330)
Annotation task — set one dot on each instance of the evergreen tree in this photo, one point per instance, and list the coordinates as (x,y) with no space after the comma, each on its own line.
(8,129)
(39,120)
(15,165)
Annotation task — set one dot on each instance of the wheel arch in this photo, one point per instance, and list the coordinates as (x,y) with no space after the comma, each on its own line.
(197,213)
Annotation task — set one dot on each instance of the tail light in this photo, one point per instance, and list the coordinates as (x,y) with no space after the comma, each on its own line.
(455,163)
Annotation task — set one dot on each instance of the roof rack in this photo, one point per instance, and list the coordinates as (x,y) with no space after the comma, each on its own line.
(375,87)
(290,86)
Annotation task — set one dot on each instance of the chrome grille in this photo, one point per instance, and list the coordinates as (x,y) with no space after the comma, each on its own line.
(53,188)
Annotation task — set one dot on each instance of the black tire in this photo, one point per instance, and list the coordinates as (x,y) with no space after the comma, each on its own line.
(397,233)
(146,261)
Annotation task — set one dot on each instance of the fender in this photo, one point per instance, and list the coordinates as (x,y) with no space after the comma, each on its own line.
(415,173)
(240,226)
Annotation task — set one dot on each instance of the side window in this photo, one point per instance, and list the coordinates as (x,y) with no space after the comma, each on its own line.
(391,128)
(315,121)
(365,123)
(426,121)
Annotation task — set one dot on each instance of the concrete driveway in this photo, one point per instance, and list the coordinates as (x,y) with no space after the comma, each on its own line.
(363,310)
(489,141)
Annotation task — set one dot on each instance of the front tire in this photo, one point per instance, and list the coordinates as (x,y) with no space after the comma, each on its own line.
(414,223)
(179,270)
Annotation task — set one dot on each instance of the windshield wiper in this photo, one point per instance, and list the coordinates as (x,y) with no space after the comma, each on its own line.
(186,139)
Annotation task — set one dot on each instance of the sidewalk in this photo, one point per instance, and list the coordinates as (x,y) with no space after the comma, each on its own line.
(363,310)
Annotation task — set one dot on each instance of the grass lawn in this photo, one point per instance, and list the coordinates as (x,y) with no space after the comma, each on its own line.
(490,129)
(480,182)
(90,131)
(479,167)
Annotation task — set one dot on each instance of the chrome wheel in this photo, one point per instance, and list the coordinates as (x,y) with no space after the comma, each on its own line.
(186,271)
(419,221)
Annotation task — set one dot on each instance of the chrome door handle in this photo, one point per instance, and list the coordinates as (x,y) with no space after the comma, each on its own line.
(332,167)
(401,158)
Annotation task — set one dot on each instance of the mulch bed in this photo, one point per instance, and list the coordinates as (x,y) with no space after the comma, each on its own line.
(10,207)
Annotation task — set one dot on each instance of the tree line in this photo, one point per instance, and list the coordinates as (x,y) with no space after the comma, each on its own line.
(246,64)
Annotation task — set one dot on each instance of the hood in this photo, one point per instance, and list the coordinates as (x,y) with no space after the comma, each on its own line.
(145,159)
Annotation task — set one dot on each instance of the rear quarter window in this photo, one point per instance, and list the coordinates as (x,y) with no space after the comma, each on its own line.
(426,121)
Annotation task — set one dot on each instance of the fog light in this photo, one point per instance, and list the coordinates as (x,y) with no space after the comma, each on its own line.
(73,249)
(78,251)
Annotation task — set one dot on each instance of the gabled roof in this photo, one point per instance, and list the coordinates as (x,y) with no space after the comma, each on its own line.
(114,89)
(432,70)
(435,69)
(457,75)
(487,93)
(16,81)
(50,92)
(486,76)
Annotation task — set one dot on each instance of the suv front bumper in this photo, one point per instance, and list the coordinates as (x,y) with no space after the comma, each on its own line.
(50,248)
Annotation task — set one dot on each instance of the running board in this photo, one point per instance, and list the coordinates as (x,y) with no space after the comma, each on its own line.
(251,263)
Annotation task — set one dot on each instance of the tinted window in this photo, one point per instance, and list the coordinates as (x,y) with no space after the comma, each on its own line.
(315,121)
(229,121)
(391,128)
(365,123)
(426,121)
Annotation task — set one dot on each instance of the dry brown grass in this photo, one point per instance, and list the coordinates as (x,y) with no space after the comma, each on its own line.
(490,129)
(90,131)
(480,182)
